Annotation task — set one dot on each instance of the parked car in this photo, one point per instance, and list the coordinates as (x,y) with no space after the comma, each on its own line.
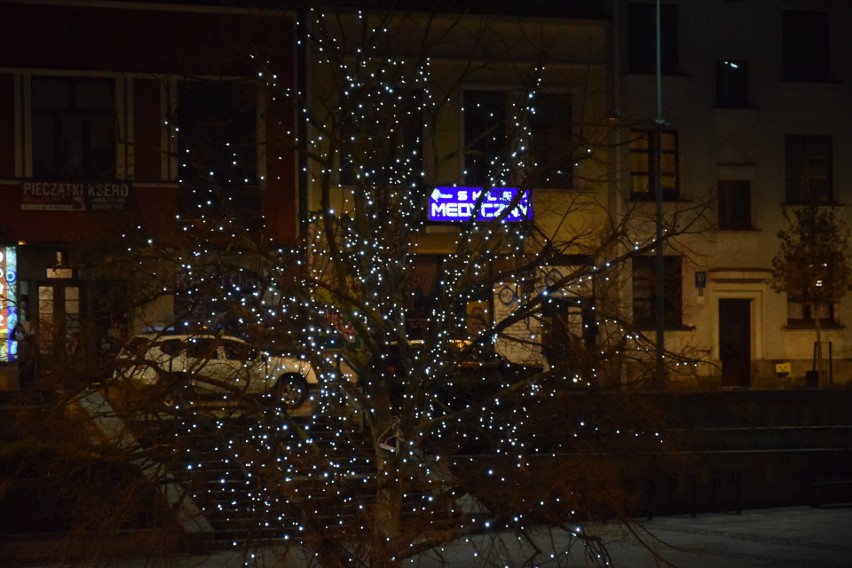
(211,364)
(477,373)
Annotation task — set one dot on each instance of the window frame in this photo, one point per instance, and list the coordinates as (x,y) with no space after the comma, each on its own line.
(726,206)
(806,52)
(484,139)
(488,143)
(732,83)
(237,186)
(637,148)
(641,39)
(558,158)
(409,140)
(806,321)
(61,116)
(643,276)
(802,172)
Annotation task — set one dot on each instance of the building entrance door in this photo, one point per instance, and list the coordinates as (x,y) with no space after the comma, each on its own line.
(58,331)
(735,342)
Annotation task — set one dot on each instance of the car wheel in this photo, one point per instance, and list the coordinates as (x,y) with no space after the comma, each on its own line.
(291,391)
(175,392)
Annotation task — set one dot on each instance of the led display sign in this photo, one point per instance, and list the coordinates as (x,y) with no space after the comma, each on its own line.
(8,302)
(459,204)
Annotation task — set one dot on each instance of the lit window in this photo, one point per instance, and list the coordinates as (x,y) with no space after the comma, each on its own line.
(642,165)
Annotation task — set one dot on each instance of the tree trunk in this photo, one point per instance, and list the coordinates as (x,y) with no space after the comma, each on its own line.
(388,508)
(818,360)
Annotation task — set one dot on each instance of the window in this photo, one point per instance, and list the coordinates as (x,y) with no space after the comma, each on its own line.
(734,204)
(644,295)
(217,145)
(235,350)
(808,169)
(73,128)
(484,136)
(392,158)
(642,38)
(547,147)
(805,48)
(642,165)
(552,146)
(731,83)
(202,348)
(802,315)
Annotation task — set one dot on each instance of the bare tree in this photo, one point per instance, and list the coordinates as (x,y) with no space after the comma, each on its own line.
(812,266)
(408,446)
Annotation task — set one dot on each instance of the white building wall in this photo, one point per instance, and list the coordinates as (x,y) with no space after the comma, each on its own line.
(717,143)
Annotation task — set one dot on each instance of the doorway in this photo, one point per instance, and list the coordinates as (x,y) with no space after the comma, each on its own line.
(735,342)
(58,324)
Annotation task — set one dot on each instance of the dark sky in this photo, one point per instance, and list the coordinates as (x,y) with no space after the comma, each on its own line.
(561,8)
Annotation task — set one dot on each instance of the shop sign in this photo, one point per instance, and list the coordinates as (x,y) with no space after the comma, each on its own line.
(74,196)
(459,204)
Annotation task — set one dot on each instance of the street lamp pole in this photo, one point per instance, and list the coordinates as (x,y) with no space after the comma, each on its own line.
(659,267)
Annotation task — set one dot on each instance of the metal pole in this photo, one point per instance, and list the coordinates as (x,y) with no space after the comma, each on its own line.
(659,267)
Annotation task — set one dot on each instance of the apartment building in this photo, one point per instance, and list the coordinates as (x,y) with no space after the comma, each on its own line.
(99,104)
(753,97)
(480,101)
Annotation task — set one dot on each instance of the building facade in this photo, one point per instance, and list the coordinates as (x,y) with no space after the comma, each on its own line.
(101,102)
(489,103)
(753,96)
(99,105)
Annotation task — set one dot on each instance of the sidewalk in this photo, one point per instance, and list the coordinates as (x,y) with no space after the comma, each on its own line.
(777,538)
(794,537)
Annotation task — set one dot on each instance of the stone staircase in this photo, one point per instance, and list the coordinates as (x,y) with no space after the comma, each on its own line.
(261,481)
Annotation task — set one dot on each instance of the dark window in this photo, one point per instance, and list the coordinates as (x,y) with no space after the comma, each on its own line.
(202,348)
(642,38)
(73,128)
(551,148)
(808,169)
(643,165)
(731,83)
(392,157)
(734,204)
(644,295)
(805,50)
(235,350)
(217,145)
(172,347)
(484,136)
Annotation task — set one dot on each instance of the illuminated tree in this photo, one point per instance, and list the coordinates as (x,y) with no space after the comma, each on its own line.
(404,450)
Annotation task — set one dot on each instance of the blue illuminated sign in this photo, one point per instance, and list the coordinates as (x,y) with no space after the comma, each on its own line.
(458,204)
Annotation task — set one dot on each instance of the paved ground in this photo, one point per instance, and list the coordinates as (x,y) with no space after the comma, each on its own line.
(795,537)
(777,538)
